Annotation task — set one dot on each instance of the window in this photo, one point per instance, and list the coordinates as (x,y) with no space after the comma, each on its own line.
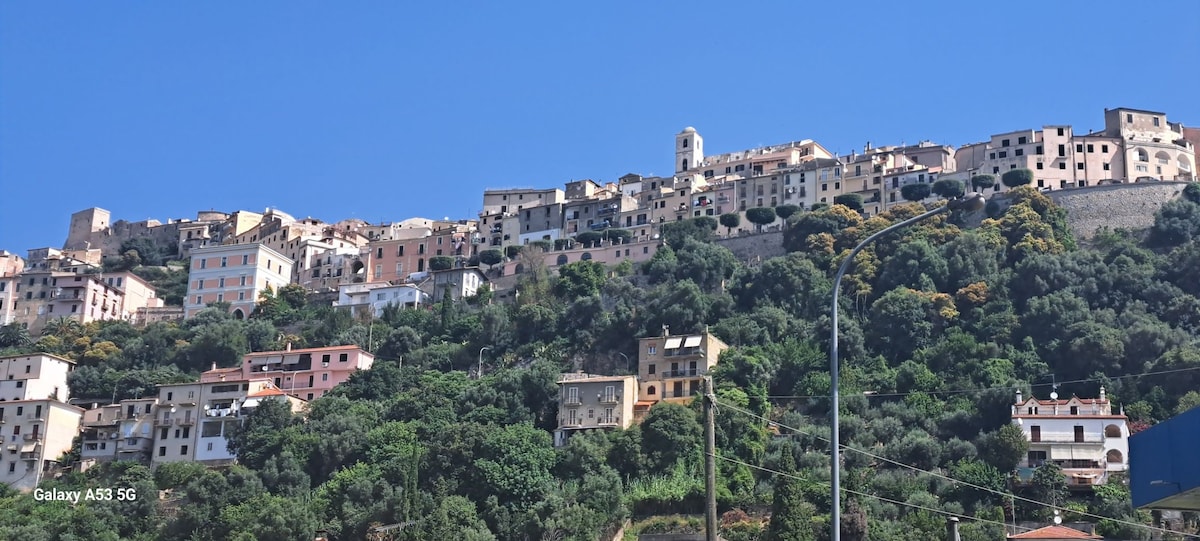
(1079,166)
(1155,122)
(1060,132)
(1106,166)
(162,451)
(1019,152)
(1129,119)
(1035,433)
(1003,154)
(224,261)
(1078,434)
(343,357)
(1004,143)
(324,377)
(1104,149)
(1062,150)
(651,350)
(1090,148)
(1074,410)
(1062,165)
(1038,150)
(992,156)
(1079,147)
(650,368)
(995,170)
(203,263)
(1039,165)
(246,260)
(183,449)
(1021,140)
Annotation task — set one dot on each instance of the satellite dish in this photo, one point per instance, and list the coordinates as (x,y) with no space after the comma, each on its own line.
(1020,421)
(1057,518)
(1054,396)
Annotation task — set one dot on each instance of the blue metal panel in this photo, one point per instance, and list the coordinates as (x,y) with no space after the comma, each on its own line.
(1164,460)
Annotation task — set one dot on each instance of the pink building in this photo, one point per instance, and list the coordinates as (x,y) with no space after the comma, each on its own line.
(235,274)
(301,373)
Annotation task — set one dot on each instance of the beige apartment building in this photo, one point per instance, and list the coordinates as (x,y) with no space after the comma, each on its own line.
(1153,146)
(637,250)
(590,402)
(672,367)
(36,424)
(192,421)
(690,157)
(122,431)
(236,274)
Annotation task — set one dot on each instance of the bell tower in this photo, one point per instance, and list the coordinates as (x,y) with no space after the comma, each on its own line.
(689,150)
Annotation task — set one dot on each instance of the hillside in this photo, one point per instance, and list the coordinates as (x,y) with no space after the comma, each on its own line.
(941,326)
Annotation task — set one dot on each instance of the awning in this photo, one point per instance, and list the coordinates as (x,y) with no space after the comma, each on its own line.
(1069,452)
(643,403)
(250,403)
(28,447)
(672,343)
(692,341)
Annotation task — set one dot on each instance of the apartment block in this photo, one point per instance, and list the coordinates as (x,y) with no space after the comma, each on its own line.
(122,431)
(1082,436)
(503,201)
(590,402)
(690,157)
(36,424)
(672,367)
(369,298)
(637,250)
(397,260)
(302,373)
(1153,147)
(236,274)
(192,421)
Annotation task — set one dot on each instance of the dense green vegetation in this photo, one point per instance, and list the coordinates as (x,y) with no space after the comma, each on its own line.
(940,325)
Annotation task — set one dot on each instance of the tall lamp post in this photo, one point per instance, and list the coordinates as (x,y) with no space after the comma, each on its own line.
(481,350)
(969,202)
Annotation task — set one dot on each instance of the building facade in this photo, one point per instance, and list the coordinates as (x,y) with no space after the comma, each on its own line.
(37,425)
(305,374)
(235,274)
(590,402)
(672,367)
(1082,436)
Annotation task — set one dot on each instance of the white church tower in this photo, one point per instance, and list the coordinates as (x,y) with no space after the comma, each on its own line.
(689,150)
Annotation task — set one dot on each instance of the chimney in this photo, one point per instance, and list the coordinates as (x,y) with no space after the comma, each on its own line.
(666,330)
(868,147)
(1102,398)
(288,347)
(952,529)
(1019,401)
(214,366)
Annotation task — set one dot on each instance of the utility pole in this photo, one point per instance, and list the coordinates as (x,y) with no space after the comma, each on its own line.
(710,462)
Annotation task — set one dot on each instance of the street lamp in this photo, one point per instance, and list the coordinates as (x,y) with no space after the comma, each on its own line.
(480,374)
(970,202)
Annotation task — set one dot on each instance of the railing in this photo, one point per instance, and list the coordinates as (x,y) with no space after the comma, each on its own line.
(611,399)
(185,422)
(33,437)
(571,401)
(684,373)
(162,422)
(35,417)
(609,421)
(1056,438)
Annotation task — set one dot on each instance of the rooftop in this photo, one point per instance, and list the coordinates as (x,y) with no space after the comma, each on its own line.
(1055,532)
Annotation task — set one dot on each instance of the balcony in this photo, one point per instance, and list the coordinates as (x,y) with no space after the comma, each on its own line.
(571,423)
(1065,438)
(185,422)
(33,437)
(684,373)
(571,401)
(162,422)
(612,399)
(35,417)
(609,421)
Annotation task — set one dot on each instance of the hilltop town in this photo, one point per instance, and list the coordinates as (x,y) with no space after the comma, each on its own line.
(727,217)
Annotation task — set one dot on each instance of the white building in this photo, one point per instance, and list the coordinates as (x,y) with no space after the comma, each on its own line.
(376,296)
(1082,436)
(36,424)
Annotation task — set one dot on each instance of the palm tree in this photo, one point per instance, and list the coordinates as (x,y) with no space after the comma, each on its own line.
(14,336)
(63,327)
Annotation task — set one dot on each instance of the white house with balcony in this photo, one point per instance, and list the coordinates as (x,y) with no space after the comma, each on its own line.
(589,402)
(1082,436)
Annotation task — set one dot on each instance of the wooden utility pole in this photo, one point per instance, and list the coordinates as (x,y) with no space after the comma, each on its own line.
(710,462)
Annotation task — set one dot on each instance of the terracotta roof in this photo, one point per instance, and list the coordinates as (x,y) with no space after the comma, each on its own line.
(266,392)
(644,403)
(1055,532)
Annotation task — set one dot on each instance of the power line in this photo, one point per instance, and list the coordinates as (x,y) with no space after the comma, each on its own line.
(880,498)
(1000,387)
(946,477)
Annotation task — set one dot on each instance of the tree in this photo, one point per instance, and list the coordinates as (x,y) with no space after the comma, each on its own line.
(588,238)
(579,279)
(915,192)
(441,263)
(1016,177)
(618,236)
(983,182)
(1191,192)
(1049,484)
(786,211)
(263,433)
(791,514)
(1004,448)
(670,432)
(14,336)
(511,251)
(730,221)
(948,188)
(491,257)
(851,200)
(760,216)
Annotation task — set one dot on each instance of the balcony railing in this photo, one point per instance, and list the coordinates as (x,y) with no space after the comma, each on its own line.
(684,373)
(1066,438)
(33,437)
(609,421)
(571,401)
(611,399)
(185,422)
(162,422)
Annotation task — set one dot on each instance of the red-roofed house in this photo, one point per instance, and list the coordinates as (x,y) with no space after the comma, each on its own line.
(1055,533)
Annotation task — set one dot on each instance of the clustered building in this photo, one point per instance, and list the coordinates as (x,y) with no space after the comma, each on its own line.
(179,422)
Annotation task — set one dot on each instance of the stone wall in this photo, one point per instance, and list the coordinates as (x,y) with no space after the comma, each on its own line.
(1126,206)
(755,247)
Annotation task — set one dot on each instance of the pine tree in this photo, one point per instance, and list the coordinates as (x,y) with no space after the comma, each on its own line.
(791,515)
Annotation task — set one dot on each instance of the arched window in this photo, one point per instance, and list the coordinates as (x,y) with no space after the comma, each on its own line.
(1142,155)
(685,143)
(1112,431)
(238,314)
(1114,457)
(520,268)
(587,256)
(651,391)
(684,168)
(562,260)
(1162,158)
(1185,166)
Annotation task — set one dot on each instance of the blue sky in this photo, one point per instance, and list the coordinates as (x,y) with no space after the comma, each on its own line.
(387,110)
